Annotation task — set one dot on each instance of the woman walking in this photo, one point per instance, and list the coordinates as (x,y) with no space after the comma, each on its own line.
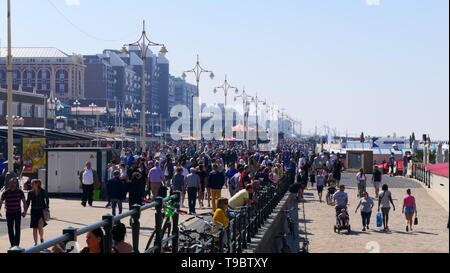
(409,209)
(366,204)
(384,202)
(362,179)
(39,201)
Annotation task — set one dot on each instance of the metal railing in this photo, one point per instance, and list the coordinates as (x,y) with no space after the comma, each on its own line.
(422,174)
(246,221)
(107,223)
(233,239)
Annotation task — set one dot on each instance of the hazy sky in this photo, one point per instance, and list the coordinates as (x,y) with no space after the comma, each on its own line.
(378,66)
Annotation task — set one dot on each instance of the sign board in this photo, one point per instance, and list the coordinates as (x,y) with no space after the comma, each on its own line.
(33,154)
(387,143)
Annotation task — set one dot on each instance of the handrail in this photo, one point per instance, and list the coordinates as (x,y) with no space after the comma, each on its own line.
(248,220)
(70,234)
(238,234)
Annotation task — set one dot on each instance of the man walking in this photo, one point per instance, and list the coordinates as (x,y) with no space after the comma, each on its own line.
(156,178)
(216,181)
(116,191)
(88,182)
(391,164)
(193,185)
(12,198)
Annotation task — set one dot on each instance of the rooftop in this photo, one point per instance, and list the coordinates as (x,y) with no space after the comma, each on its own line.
(34,52)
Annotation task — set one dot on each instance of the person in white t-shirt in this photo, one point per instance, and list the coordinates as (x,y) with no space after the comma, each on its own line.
(384,202)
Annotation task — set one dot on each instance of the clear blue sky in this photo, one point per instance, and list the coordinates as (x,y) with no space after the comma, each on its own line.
(358,67)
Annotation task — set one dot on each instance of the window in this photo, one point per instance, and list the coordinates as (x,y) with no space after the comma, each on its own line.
(27,110)
(15,109)
(39,111)
(61,87)
(2,108)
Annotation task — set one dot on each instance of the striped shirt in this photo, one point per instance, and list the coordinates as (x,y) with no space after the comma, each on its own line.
(12,200)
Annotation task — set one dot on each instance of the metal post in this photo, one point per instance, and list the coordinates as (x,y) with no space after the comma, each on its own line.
(10,95)
(158,225)
(233,239)
(107,241)
(136,226)
(143,99)
(72,232)
(239,230)
(175,220)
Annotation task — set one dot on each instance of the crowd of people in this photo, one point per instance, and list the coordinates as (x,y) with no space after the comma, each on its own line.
(202,172)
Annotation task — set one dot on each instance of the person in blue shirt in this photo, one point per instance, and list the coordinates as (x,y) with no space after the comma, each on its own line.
(2,160)
(129,159)
(231,172)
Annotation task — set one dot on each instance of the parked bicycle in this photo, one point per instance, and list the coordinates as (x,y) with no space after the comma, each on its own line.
(170,211)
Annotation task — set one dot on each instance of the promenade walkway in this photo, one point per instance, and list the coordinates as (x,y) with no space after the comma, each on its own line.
(430,236)
(69,213)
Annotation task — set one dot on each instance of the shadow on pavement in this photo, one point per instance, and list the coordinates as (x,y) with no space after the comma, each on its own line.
(423,232)
(68,222)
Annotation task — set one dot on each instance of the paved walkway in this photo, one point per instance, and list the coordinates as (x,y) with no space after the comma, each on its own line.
(69,213)
(430,236)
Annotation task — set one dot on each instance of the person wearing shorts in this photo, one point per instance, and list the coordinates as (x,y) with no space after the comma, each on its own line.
(384,203)
(409,209)
(376,180)
(320,180)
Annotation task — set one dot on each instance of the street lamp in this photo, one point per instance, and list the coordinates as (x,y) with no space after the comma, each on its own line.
(77,105)
(225,87)
(154,114)
(198,70)
(246,99)
(9,70)
(137,113)
(93,105)
(257,101)
(144,43)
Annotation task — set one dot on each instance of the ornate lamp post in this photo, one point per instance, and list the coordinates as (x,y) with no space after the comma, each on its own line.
(93,105)
(225,87)
(77,105)
(246,99)
(144,43)
(198,70)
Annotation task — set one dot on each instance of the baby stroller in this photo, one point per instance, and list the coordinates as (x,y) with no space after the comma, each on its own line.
(330,192)
(342,221)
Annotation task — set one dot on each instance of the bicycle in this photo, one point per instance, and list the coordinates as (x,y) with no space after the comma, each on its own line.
(194,241)
(166,229)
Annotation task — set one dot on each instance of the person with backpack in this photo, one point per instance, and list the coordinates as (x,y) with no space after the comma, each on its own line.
(117,191)
(384,203)
(232,171)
